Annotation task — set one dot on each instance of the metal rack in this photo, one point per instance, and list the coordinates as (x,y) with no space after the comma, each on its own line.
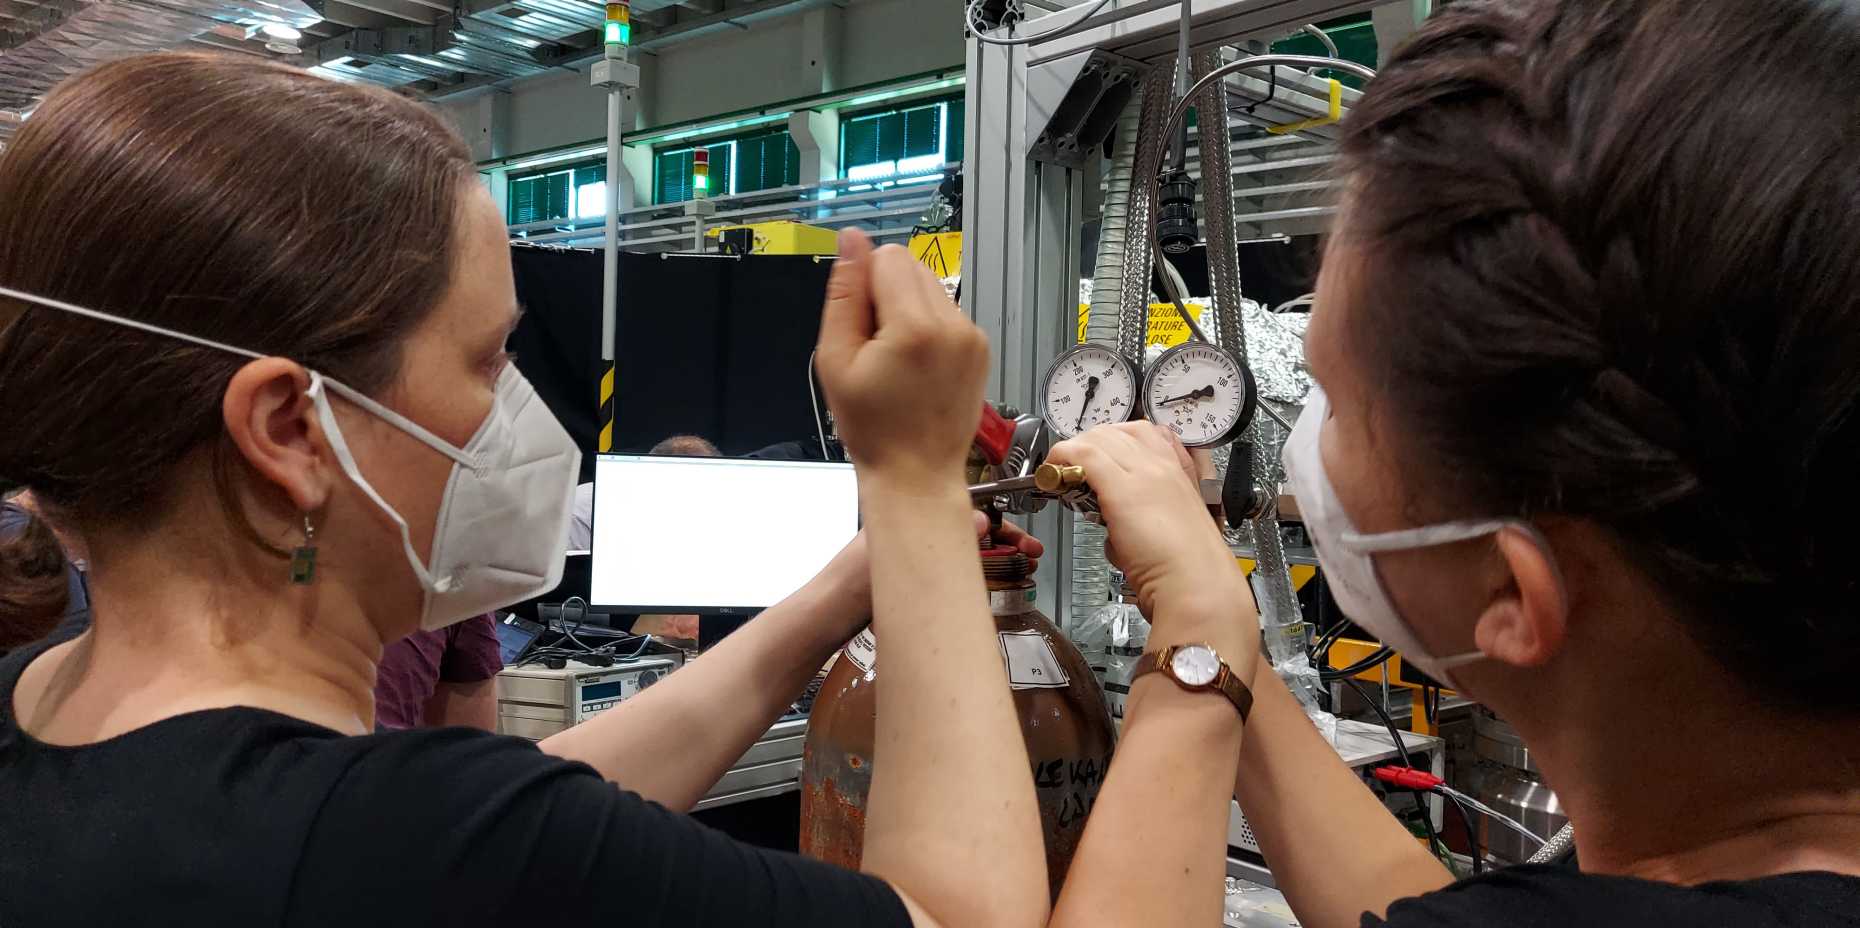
(887,215)
(1022,215)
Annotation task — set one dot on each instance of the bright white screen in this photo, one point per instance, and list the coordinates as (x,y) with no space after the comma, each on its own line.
(715,533)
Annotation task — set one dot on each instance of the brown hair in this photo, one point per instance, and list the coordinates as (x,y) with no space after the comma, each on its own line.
(1610,273)
(244,201)
(33,584)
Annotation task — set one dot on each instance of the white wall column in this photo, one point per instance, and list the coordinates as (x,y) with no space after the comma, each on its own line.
(817,135)
(636,185)
(821,32)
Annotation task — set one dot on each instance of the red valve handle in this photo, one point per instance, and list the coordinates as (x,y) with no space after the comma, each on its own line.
(995,435)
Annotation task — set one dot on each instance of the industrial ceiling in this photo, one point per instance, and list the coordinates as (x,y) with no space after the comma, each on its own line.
(433,48)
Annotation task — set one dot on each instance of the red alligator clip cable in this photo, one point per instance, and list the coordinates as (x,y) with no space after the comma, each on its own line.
(1408,778)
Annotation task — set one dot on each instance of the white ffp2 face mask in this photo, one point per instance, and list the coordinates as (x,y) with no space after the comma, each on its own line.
(1347,556)
(498,536)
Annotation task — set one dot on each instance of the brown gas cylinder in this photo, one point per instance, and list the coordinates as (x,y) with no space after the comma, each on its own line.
(1062,714)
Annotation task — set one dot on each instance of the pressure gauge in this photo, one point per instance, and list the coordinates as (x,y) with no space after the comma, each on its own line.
(1199,392)
(1087,386)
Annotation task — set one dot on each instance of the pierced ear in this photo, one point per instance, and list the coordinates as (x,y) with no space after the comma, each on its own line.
(1526,625)
(271,420)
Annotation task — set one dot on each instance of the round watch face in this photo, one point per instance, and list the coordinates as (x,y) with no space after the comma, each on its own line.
(1195,665)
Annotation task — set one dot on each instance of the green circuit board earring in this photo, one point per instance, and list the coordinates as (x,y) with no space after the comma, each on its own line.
(303,559)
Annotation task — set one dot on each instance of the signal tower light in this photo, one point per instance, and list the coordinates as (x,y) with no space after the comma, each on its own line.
(618,27)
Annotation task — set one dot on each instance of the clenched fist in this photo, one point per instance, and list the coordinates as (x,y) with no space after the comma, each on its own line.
(902,367)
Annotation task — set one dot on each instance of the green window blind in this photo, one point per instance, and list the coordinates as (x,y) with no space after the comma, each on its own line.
(766,162)
(551,193)
(671,177)
(871,139)
(919,131)
(922,131)
(954,117)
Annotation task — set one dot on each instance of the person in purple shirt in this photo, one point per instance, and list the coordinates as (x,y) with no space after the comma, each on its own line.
(433,679)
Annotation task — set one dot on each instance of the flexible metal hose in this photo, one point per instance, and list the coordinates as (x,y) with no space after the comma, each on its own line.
(1558,845)
(1281,619)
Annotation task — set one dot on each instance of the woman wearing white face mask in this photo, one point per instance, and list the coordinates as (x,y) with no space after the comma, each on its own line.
(272,393)
(1586,331)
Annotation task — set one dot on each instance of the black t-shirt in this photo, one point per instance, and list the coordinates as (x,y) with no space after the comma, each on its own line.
(1554,897)
(247,817)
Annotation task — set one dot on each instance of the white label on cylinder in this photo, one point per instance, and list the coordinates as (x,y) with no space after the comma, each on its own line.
(1010,602)
(862,650)
(1031,663)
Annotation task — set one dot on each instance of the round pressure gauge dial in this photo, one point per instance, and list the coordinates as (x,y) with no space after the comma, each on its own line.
(1199,392)
(1087,386)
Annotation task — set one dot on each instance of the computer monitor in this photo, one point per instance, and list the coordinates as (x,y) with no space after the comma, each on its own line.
(714,535)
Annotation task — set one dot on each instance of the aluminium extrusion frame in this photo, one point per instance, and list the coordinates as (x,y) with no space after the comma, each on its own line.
(1021,218)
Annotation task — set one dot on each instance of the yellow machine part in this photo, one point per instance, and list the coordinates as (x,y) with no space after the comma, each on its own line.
(786,237)
(1301,573)
(1348,651)
(941,252)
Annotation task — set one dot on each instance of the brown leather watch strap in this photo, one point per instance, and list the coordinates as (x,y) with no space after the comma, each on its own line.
(1227,683)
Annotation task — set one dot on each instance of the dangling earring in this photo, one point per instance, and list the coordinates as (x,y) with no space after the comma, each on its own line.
(303,559)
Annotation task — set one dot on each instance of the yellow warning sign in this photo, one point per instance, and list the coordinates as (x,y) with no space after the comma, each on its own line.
(941,253)
(1166,327)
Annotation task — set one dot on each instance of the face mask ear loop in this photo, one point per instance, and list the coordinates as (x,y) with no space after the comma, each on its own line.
(1426,536)
(320,397)
(395,419)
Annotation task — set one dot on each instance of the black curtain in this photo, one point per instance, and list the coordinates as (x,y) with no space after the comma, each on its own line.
(706,345)
(557,342)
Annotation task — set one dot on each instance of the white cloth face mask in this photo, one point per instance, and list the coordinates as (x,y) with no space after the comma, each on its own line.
(498,536)
(1347,556)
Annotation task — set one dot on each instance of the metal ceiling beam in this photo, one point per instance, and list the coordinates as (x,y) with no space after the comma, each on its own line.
(645,42)
(342,14)
(225,45)
(1147,30)
(416,13)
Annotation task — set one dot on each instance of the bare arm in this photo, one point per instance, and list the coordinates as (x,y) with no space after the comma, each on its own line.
(1335,851)
(1154,850)
(951,822)
(952,814)
(674,741)
(473,705)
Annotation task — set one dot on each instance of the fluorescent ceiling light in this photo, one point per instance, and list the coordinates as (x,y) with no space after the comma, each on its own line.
(556,158)
(281,32)
(430,62)
(720,127)
(884,95)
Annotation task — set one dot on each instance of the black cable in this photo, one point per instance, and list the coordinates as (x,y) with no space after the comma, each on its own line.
(1376,659)
(1472,837)
(1401,750)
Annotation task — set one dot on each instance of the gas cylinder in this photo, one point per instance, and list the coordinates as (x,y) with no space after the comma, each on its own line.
(1058,700)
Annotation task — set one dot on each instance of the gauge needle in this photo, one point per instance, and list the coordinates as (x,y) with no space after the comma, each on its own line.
(1091,390)
(1203,393)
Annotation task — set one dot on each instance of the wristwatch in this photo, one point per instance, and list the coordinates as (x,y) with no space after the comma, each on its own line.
(1195,667)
